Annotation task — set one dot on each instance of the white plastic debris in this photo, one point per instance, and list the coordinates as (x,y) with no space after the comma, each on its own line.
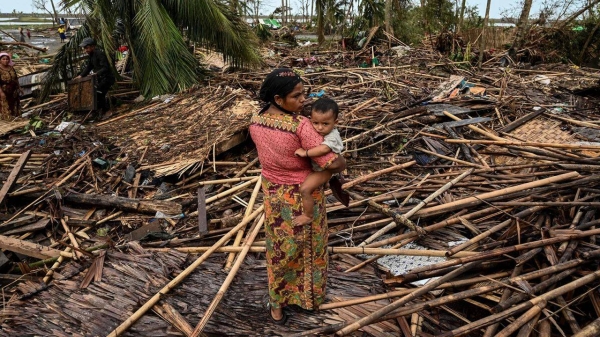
(68,127)
(542,79)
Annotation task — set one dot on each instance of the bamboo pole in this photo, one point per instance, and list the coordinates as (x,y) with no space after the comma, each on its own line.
(590,330)
(240,233)
(402,301)
(226,193)
(537,288)
(580,282)
(523,319)
(376,174)
(213,305)
(490,331)
(475,200)
(185,273)
(492,230)
(528,328)
(493,253)
(452,159)
(545,329)
(331,250)
(403,292)
(76,253)
(516,143)
(415,209)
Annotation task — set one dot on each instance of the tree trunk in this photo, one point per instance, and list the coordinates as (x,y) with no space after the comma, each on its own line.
(320,4)
(461,19)
(388,17)
(521,28)
(54,10)
(483,29)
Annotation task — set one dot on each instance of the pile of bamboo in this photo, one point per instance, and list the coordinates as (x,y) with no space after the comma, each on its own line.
(503,187)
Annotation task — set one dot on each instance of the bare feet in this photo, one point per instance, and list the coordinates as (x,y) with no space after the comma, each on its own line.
(277,314)
(302,220)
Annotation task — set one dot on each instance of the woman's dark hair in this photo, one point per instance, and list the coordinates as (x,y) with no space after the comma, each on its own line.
(280,82)
(324,105)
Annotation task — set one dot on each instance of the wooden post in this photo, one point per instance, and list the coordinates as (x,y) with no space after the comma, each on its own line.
(14,174)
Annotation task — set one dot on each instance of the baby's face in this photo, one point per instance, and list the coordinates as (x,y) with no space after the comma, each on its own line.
(323,122)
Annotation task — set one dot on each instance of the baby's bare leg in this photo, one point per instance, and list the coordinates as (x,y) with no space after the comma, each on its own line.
(311,183)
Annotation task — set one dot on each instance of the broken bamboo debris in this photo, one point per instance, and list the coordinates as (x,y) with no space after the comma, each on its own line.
(515,143)
(380,131)
(152,301)
(475,200)
(494,229)
(404,300)
(524,306)
(405,218)
(246,247)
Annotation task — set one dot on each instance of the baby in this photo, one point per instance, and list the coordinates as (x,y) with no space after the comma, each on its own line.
(323,116)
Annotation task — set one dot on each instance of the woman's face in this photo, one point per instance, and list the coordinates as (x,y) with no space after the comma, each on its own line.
(294,101)
(4,60)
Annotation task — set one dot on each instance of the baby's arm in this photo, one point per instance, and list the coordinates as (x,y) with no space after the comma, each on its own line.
(316,151)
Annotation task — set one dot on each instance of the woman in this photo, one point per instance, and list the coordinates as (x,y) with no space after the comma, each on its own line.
(296,254)
(9,89)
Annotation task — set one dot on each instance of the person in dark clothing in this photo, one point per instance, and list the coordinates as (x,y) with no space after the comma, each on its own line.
(99,64)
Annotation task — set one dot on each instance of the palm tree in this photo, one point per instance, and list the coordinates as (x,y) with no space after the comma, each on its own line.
(159,34)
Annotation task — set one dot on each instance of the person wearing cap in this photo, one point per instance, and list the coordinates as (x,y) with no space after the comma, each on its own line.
(98,62)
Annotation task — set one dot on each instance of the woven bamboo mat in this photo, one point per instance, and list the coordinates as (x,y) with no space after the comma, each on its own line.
(541,130)
(6,127)
(129,279)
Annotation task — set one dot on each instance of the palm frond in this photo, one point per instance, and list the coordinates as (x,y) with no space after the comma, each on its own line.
(64,63)
(211,24)
(164,63)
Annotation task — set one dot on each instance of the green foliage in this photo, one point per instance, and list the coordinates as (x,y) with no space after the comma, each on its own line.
(472,18)
(263,32)
(35,123)
(159,34)
(372,12)
(407,25)
(438,15)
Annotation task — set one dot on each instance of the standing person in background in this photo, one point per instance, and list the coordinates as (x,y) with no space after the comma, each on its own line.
(22,37)
(9,89)
(28,34)
(102,70)
(61,32)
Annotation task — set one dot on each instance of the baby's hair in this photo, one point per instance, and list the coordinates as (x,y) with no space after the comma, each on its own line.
(324,105)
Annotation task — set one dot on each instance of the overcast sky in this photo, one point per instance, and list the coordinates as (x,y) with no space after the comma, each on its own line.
(495,11)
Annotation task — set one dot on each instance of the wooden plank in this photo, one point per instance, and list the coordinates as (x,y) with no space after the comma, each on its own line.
(202,223)
(14,174)
(28,248)
(41,224)
(235,140)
